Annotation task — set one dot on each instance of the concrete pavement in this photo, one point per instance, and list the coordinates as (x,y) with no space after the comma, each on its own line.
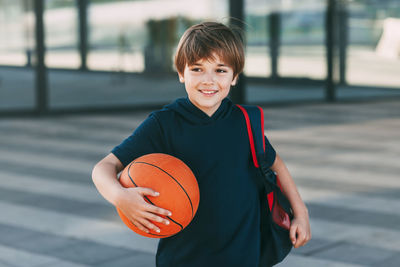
(344,158)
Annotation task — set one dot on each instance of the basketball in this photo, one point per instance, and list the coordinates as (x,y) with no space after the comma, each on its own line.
(177,185)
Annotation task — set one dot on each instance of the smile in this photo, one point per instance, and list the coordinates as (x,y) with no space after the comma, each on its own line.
(208,92)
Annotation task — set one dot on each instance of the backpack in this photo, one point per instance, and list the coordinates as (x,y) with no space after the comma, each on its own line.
(276,213)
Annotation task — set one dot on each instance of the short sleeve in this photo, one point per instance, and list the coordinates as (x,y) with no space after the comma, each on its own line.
(147,138)
(270,153)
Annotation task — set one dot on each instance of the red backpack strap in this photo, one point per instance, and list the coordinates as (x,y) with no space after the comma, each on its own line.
(250,134)
(262,125)
(249,125)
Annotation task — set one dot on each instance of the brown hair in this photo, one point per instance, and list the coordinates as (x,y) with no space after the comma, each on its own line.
(201,41)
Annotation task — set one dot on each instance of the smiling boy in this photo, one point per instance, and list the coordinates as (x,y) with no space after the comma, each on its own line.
(206,131)
(207,83)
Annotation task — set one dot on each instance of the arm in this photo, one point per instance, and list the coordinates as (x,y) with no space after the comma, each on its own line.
(129,200)
(300,232)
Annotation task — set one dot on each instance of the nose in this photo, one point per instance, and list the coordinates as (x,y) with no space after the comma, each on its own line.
(208,79)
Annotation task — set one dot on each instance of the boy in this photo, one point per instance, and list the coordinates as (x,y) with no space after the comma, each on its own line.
(207,132)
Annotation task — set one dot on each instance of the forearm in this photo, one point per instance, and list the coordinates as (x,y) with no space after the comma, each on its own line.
(289,187)
(104,176)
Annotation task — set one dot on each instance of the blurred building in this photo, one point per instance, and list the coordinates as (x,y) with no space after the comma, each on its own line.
(103,54)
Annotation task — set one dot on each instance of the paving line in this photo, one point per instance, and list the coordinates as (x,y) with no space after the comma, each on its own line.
(55,151)
(338,199)
(41,128)
(81,154)
(47,161)
(68,124)
(20,140)
(303,261)
(369,159)
(299,171)
(342,175)
(354,216)
(344,159)
(354,135)
(67,249)
(320,159)
(11,257)
(118,118)
(372,236)
(88,193)
(348,187)
(45,172)
(116,234)
(69,225)
(47,187)
(336,154)
(92,140)
(320,177)
(308,137)
(103,212)
(123,123)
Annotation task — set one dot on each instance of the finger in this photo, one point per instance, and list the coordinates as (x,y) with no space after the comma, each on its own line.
(292,233)
(149,225)
(301,240)
(158,210)
(156,218)
(144,191)
(140,226)
(301,237)
(308,238)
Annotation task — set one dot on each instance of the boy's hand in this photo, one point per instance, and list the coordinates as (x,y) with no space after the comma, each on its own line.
(300,231)
(131,202)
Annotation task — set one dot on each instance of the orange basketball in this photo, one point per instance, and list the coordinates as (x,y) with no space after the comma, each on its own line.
(176,183)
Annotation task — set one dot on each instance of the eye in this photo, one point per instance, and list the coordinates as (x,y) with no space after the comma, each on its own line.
(195,69)
(221,71)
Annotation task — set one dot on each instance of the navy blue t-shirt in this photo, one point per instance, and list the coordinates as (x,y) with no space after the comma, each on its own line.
(226,229)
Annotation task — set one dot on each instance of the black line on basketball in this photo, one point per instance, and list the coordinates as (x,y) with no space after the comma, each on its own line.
(180,225)
(158,235)
(129,175)
(190,201)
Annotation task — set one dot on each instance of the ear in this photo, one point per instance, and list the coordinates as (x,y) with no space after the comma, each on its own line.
(181,78)
(233,83)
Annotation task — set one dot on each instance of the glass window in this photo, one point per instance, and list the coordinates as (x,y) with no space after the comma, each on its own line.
(61,34)
(140,36)
(373,53)
(285,39)
(257,39)
(299,27)
(130,55)
(16,32)
(302,51)
(16,46)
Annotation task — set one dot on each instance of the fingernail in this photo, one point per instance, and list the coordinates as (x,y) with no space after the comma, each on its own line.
(167,222)
(169,213)
(156,194)
(158,230)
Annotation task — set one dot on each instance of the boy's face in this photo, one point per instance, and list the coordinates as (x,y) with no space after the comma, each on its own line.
(207,83)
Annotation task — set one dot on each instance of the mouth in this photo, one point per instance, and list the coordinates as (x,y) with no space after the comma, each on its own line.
(208,92)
